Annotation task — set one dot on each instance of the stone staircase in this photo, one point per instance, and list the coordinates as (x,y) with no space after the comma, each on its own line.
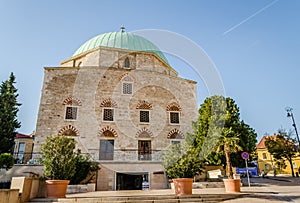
(209,198)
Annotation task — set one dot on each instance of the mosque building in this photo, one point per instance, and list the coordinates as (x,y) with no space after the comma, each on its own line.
(123,103)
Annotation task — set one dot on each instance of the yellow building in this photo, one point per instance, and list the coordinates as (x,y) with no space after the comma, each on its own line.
(267,162)
(23,148)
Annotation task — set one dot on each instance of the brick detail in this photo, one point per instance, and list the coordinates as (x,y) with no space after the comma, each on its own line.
(173,107)
(73,101)
(108,103)
(107,132)
(175,134)
(125,77)
(144,133)
(67,129)
(144,105)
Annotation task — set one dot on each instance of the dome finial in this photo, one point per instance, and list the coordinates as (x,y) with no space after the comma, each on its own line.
(122,29)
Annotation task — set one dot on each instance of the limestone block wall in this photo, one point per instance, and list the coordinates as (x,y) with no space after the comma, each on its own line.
(92,85)
(112,57)
(98,79)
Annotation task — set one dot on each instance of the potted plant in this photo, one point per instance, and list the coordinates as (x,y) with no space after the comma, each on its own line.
(182,163)
(58,158)
(229,143)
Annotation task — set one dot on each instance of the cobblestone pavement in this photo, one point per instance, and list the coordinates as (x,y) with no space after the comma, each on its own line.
(271,189)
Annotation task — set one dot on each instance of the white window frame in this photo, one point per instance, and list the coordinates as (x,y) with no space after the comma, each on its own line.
(140,116)
(65,114)
(170,117)
(127,82)
(114,113)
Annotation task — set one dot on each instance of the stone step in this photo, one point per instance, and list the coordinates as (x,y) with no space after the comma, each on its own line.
(142,199)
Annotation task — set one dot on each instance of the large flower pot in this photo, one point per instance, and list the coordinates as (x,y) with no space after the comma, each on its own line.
(57,188)
(232,185)
(183,186)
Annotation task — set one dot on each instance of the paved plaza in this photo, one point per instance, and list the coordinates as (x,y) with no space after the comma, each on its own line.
(268,190)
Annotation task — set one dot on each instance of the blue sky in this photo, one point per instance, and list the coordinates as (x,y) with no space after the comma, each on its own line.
(255,46)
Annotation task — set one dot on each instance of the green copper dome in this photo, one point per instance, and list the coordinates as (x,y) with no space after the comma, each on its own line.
(121,40)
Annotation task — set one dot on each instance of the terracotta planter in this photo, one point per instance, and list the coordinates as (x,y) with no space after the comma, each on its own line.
(232,185)
(183,186)
(57,188)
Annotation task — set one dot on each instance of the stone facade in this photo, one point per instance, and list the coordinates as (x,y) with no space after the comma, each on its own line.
(132,99)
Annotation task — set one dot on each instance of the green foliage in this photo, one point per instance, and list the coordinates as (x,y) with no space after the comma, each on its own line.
(84,169)
(282,147)
(221,135)
(6,161)
(8,114)
(182,161)
(59,158)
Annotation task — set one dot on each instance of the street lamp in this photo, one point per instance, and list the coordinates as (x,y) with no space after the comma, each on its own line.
(289,111)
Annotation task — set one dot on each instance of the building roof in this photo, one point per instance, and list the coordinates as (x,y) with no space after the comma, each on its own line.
(20,135)
(121,40)
(261,144)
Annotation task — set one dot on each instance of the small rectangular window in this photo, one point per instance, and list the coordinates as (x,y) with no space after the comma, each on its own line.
(106,150)
(264,155)
(174,117)
(127,88)
(108,114)
(71,113)
(144,116)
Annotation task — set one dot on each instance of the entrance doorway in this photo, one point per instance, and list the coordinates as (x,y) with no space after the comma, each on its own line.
(131,181)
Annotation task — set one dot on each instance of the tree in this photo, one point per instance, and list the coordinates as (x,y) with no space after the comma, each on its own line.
(6,161)
(247,142)
(59,158)
(8,114)
(220,133)
(85,169)
(282,147)
(182,161)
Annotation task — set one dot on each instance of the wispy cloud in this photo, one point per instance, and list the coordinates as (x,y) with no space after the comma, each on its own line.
(250,17)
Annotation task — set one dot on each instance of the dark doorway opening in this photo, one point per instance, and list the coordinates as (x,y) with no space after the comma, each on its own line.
(130,181)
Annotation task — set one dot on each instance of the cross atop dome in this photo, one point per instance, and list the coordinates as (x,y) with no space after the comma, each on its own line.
(122,29)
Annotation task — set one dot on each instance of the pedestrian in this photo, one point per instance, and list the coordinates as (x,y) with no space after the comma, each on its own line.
(262,173)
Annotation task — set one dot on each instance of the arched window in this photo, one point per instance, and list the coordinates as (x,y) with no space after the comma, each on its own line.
(127,85)
(107,142)
(144,108)
(127,63)
(71,107)
(174,113)
(108,109)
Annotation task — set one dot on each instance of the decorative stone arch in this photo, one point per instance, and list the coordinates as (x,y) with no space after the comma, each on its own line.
(144,105)
(144,133)
(107,132)
(72,101)
(126,78)
(175,134)
(173,107)
(108,103)
(68,130)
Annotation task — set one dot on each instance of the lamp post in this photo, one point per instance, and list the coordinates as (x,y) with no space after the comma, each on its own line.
(289,111)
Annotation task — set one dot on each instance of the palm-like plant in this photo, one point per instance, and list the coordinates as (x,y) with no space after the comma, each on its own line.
(229,144)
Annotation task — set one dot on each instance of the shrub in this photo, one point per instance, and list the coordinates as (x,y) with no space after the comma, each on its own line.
(84,169)
(6,161)
(58,158)
(182,161)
